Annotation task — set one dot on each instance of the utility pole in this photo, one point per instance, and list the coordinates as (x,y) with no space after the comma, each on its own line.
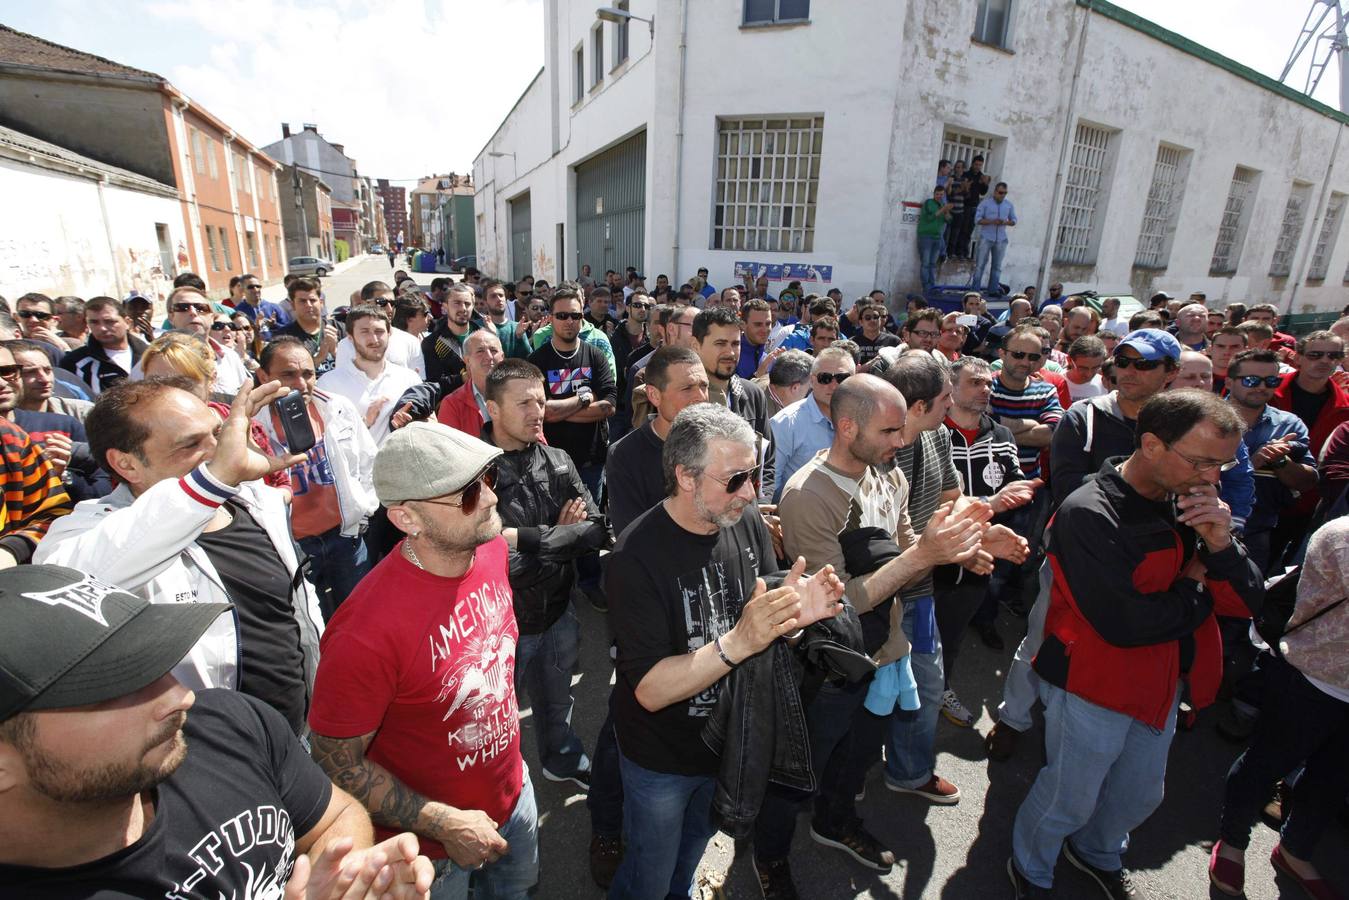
(1323,35)
(299,209)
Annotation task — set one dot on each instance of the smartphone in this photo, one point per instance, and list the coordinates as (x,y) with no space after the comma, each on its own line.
(294,415)
(967,321)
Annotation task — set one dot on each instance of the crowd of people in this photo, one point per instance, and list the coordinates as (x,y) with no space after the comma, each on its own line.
(315,545)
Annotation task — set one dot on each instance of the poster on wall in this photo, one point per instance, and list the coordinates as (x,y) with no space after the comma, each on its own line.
(803,272)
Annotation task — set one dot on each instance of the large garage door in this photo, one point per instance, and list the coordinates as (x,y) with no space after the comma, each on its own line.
(521,253)
(611,208)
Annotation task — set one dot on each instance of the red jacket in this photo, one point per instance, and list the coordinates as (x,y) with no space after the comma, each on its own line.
(460,410)
(1334,412)
(1123,627)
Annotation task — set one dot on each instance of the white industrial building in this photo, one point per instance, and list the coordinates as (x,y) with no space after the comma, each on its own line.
(792,133)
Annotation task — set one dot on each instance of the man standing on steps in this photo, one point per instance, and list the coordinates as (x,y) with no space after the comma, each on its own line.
(994,216)
(369,381)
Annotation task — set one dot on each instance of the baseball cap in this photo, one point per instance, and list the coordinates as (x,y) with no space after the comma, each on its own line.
(422,460)
(1151,343)
(1162,295)
(68,639)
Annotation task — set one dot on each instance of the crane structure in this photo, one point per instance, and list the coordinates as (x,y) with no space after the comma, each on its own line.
(1323,37)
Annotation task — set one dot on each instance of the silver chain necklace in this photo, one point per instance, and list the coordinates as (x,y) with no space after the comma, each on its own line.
(412,555)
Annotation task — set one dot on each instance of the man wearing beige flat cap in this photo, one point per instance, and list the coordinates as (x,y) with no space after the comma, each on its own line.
(414,708)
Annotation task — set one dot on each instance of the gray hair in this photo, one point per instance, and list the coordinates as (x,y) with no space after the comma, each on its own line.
(834,351)
(790,369)
(695,428)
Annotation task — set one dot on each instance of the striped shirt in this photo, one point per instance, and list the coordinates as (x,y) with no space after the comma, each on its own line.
(34,494)
(926,465)
(1037,401)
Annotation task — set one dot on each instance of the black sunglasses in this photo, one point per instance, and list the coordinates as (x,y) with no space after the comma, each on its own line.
(736,481)
(187,307)
(10,373)
(469,497)
(384,302)
(1308,354)
(832,377)
(569,316)
(637,304)
(225,326)
(1253,381)
(1026,354)
(1142,365)
(34,314)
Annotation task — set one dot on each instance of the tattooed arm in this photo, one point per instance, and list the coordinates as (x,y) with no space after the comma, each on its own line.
(469,835)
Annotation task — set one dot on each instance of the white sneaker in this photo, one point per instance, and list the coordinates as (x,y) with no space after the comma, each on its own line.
(955,711)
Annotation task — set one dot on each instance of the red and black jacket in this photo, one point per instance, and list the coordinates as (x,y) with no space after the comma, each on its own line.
(1123,627)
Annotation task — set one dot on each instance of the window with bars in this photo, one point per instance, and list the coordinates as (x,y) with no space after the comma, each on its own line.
(992,22)
(962,146)
(211,248)
(768,174)
(1325,238)
(1294,214)
(1082,195)
(1163,206)
(770,12)
(1232,226)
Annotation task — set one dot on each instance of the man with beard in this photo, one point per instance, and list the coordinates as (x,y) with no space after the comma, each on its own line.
(414,704)
(716,337)
(443,347)
(372,383)
(100,747)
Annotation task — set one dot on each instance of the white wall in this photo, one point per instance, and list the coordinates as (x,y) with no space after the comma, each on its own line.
(56,241)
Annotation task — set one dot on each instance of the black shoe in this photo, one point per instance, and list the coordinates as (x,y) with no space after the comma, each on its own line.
(988,633)
(858,843)
(1117,885)
(775,880)
(596,598)
(1021,887)
(580,779)
(605,855)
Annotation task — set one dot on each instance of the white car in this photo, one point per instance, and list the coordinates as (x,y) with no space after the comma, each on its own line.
(309,265)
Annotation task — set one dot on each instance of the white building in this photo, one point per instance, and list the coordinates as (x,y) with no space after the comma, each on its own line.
(77,226)
(791,133)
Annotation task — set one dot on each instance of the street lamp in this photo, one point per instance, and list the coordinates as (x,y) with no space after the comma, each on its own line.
(496,153)
(619,16)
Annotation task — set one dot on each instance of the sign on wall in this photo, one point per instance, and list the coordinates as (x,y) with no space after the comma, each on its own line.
(804,272)
(908,213)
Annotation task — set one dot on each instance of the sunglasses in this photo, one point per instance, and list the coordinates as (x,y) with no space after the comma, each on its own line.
(385,302)
(226,326)
(34,314)
(10,373)
(1142,365)
(1025,354)
(187,307)
(1310,354)
(569,316)
(640,305)
(1254,381)
(831,377)
(736,481)
(538,309)
(253,287)
(469,497)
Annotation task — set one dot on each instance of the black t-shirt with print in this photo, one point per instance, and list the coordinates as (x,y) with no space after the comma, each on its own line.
(269,636)
(871,349)
(312,341)
(670,592)
(585,442)
(225,822)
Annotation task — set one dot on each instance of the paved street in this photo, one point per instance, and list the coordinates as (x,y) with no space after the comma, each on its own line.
(351,277)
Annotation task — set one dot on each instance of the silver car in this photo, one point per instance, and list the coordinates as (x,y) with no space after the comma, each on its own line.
(309,265)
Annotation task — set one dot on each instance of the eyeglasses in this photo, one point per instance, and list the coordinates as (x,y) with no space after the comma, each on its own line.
(538,309)
(1205,465)
(1026,354)
(637,304)
(469,497)
(1142,365)
(831,377)
(736,481)
(253,287)
(385,302)
(923,332)
(187,307)
(569,316)
(10,373)
(225,326)
(34,314)
(1253,381)
(1308,354)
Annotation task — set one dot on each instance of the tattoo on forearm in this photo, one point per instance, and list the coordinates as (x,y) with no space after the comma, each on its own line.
(389,802)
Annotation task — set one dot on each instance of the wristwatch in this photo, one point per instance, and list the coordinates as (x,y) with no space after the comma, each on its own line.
(1279,463)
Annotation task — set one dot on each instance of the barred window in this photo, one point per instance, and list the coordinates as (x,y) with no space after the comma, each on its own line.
(1082,195)
(1294,214)
(1163,206)
(961,146)
(768,175)
(1325,239)
(1232,227)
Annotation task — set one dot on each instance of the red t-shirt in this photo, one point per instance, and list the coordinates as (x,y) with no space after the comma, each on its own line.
(428,664)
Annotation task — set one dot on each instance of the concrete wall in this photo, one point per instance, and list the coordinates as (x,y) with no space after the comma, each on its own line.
(69,242)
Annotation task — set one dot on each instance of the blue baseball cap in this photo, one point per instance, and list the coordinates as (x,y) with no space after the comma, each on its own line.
(1151,343)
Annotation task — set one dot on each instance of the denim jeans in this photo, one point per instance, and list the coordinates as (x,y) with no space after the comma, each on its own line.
(588,566)
(337,564)
(1298,721)
(982,252)
(667,822)
(829,720)
(929,248)
(911,735)
(510,877)
(1020,687)
(1103,776)
(543,666)
(605,799)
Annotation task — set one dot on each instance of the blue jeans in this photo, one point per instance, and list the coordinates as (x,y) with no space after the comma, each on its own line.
(1019,689)
(1103,777)
(982,251)
(667,822)
(543,666)
(510,877)
(911,735)
(337,565)
(605,798)
(588,566)
(929,248)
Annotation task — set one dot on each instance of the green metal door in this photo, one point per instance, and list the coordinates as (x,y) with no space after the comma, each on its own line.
(521,253)
(611,208)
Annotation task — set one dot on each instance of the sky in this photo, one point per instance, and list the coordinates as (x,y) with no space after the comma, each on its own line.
(416,87)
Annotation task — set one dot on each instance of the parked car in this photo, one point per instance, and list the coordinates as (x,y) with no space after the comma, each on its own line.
(464,262)
(377,248)
(309,265)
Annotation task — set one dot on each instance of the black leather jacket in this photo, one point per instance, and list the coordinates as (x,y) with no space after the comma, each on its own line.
(532,485)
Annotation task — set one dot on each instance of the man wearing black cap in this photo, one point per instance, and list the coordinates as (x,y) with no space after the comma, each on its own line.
(111,789)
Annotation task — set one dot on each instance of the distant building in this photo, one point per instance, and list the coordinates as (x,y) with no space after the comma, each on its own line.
(306,213)
(426,224)
(310,151)
(746,136)
(129,119)
(395,207)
